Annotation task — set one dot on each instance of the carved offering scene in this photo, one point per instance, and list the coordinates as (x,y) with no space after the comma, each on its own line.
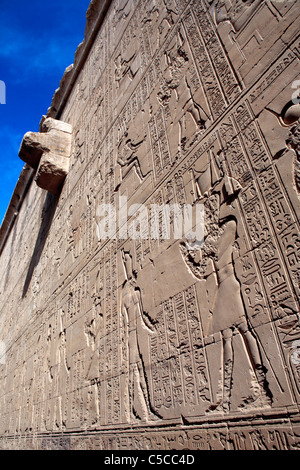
(150,268)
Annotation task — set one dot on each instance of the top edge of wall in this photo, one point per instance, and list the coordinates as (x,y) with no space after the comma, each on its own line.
(95,15)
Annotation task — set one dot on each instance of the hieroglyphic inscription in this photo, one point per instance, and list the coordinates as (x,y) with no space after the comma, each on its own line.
(254,205)
(279,210)
(144,341)
(179,372)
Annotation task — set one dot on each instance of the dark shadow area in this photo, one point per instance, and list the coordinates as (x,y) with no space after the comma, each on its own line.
(48,212)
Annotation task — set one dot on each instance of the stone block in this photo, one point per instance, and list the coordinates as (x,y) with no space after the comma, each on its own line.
(48,152)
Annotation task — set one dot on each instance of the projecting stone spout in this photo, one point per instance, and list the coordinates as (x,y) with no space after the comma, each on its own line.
(48,152)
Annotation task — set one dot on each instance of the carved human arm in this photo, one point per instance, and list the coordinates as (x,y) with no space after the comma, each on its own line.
(147,321)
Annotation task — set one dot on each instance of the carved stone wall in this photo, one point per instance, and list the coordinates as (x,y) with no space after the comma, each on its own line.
(152,342)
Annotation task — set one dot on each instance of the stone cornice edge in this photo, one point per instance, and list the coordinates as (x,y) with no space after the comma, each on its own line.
(94,18)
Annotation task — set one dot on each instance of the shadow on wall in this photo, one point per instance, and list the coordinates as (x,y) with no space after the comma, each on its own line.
(48,212)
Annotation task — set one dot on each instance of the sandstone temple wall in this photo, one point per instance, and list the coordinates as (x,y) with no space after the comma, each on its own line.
(138,341)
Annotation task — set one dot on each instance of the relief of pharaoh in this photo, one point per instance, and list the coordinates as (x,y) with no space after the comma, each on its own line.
(218,191)
(178,93)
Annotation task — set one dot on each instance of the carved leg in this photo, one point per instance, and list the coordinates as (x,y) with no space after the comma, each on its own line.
(149,414)
(223,404)
(228,366)
(182,138)
(255,359)
(139,402)
(131,387)
(195,112)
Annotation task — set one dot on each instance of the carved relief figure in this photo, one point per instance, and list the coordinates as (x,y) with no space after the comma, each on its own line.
(128,158)
(168,20)
(294,142)
(291,117)
(135,322)
(121,12)
(64,368)
(125,68)
(177,81)
(235,11)
(228,314)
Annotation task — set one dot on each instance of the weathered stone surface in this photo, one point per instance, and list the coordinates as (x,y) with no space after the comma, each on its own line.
(49,153)
(51,172)
(148,338)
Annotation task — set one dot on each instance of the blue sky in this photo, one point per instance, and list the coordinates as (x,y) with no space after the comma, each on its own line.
(38,41)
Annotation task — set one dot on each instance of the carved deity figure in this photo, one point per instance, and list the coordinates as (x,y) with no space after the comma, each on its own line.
(235,11)
(177,81)
(135,322)
(294,142)
(228,314)
(291,117)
